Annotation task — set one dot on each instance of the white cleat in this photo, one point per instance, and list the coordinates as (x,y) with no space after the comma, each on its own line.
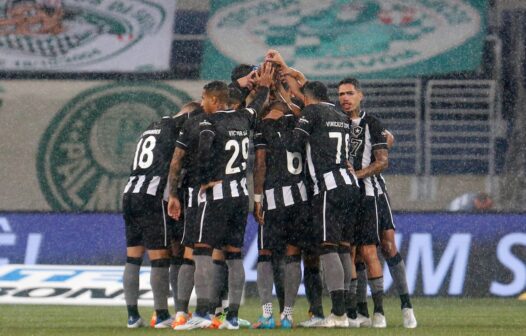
(164,323)
(409,318)
(232,324)
(354,323)
(313,322)
(196,322)
(363,321)
(334,321)
(379,321)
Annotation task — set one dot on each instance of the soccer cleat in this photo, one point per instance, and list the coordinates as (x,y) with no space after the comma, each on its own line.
(354,323)
(180,319)
(196,322)
(243,323)
(163,324)
(286,322)
(379,321)
(230,324)
(409,318)
(334,321)
(363,321)
(153,319)
(264,323)
(217,321)
(313,322)
(135,322)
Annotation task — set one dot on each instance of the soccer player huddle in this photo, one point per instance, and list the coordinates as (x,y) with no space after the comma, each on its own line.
(318,193)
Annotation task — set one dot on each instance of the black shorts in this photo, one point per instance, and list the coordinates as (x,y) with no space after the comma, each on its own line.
(178,225)
(286,225)
(146,222)
(366,232)
(385,215)
(191,209)
(222,222)
(335,212)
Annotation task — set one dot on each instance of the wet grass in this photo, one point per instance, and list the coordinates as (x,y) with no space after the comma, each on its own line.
(436,316)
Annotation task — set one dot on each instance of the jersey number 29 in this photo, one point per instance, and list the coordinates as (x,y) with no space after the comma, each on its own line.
(235,145)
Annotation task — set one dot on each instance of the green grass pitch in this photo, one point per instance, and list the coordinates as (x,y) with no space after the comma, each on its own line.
(436,316)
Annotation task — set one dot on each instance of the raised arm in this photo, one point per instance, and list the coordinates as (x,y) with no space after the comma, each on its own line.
(260,170)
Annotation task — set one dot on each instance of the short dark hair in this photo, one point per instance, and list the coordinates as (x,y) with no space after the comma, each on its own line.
(239,71)
(316,90)
(217,89)
(235,96)
(351,80)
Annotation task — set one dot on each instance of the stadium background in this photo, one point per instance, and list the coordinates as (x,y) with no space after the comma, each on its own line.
(447,77)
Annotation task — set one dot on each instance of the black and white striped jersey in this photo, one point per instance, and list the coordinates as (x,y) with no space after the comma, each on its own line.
(223,151)
(285,182)
(368,135)
(151,162)
(324,133)
(223,148)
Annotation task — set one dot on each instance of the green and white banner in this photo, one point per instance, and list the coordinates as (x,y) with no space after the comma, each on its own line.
(330,39)
(68,145)
(86,35)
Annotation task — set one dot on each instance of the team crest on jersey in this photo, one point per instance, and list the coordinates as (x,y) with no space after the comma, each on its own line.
(339,37)
(53,34)
(356,131)
(85,153)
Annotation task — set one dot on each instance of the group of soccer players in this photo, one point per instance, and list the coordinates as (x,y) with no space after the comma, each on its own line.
(318,196)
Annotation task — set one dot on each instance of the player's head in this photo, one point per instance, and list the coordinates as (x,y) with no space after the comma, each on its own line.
(188,108)
(215,96)
(240,70)
(350,95)
(235,98)
(314,92)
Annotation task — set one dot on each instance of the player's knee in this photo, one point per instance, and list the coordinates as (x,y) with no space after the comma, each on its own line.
(368,253)
(388,249)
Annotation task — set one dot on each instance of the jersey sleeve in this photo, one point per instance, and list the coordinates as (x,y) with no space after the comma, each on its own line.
(204,153)
(378,135)
(183,138)
(178,122)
